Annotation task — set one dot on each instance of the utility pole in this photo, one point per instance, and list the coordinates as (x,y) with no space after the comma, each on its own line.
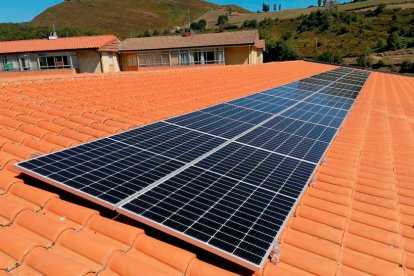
(189,18)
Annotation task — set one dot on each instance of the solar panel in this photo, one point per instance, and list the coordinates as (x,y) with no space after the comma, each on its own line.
(211,209)
(110,170)
(298,139)
(305,86)
(331,101)
(321,115)
(264,103)
(225,177)
(287,92)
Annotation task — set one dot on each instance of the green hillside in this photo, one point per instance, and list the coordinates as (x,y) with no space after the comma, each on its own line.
(238,18)
(356,38)
(123,18)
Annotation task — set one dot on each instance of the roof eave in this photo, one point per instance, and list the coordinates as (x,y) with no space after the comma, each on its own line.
(187,47)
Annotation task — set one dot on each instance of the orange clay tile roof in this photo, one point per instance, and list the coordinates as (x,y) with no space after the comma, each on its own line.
(195,40)
(59,44)
(357,216)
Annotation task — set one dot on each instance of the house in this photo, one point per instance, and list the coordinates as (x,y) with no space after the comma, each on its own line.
(228,48)
(85,54)
(356,216)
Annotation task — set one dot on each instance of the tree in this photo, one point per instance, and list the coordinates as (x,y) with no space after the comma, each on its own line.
(275,6)
(286,35)
(156,33)
(319,3)
(279,51)
(198,26)
(229,10)
(222,20)
(394,41)
(363,60)
(330,57)
(265,7)
(146,34)
(380,9)
(316,20)
(280,7)
(250,24)
(407,67)
(202,24)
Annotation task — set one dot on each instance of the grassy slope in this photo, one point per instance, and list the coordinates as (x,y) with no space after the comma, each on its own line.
(293,13)
(360,36)
(236,8)
(123,18)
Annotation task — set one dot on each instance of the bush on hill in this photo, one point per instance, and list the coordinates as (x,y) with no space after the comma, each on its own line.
(330,57)
(19,31)
(279,51)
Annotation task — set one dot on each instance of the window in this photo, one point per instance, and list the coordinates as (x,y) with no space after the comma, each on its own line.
(132,60)
(38,61)
(56,62)
(154,58)
(202,56)
(184,57)
(9,64)
(111,59)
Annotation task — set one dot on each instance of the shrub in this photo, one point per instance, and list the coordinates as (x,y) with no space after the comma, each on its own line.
(316,20)
(330,57)
(230,27)
(286,35)
(394,41)
(379,64)
(407,67)
(279,51)
(222,20)
(380,9)
(342,30)
(250,23)
(381,45)
(198,26)
(364,61)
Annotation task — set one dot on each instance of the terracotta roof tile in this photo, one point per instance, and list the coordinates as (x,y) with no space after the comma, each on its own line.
(11,256)
(376,217)
(356,217)
(68,213)
(40,261)
(60,44)
(195,40)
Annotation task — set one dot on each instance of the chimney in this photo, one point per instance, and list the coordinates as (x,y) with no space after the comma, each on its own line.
(53,35)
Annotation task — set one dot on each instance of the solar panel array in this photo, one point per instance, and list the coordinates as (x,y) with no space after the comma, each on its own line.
(225,177)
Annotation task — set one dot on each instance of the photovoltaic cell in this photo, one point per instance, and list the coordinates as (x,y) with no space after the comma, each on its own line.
(225,177)
(340,92)
(107,170)
(264,103)
(300,85)
(212,124)
(287,92)
(259,168)
(321,115)
(330,101)
(216,210)
(117,167)
(294,138)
